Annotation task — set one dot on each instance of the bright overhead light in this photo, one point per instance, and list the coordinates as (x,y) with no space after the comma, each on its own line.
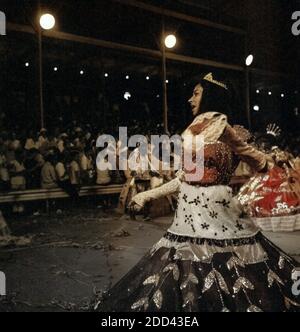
(282,95)
(127,77)
(170,41)
(270,93)
(106,75)
(257,91)
(47,21)
(249,60)
(127,95)
(81,72)
(27,64)
(55,69)
(256,108)
(147,78)
(167,81)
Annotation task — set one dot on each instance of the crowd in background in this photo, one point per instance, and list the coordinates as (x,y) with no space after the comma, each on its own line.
(66,158)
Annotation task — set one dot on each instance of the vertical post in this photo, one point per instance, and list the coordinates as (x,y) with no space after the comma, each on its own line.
(41,94)
(247,80)
(248,107)
(164,76)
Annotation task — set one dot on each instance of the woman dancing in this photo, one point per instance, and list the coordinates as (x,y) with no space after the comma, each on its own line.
(212,258)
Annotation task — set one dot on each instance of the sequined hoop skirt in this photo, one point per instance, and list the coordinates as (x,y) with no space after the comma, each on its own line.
(272,200)
(210,260)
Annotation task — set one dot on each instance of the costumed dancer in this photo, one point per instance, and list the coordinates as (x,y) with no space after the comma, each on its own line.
(212,258)
(273,198)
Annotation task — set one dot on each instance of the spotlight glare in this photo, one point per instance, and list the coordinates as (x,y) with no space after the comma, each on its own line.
(257,91)
(127,95)
(270,93)
(170,41)
(47,21)
(127,77)
(106,75)
(55,69)
(147,78)
(81,72)
(256,108)
(249,60)
(282,95)
(27,64)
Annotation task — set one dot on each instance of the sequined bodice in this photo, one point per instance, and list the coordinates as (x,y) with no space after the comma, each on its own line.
(219,165)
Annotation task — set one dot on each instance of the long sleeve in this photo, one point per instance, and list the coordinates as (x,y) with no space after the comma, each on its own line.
(166,189)
(254,158)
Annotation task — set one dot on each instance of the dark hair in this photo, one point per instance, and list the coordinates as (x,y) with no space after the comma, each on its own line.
(215,98)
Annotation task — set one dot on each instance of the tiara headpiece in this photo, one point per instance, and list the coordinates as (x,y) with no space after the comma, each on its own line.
(209,78)
(274,130)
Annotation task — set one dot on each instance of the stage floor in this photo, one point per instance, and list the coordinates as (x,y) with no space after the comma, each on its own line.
(80,253)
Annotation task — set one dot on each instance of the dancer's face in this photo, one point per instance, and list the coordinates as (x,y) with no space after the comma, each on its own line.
(195,100)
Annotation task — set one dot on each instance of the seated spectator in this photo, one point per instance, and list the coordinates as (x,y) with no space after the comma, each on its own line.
(63,179)
(48,175)
(86,166)
(15,142)
(42,140)
(17,172)
(4,175)
(61,144)
(33,164)
(74,169)
(103,176)
(30,142)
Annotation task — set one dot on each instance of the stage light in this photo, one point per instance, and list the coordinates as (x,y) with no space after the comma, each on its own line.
(81,72)
(256,108)
(27,64)
(106,75)
(127,95)
(147,78)
(282,95)
(170,41)
(55,69)
(167,81)
(47,21)
(270,93)
(127,77)
(249,60)
(257,91)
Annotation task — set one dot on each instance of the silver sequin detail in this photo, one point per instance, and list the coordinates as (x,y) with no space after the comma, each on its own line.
(209,281)
(190,279)
(254,308)
(212,277)
(234,261)
(158,299)
(172,267)
(189,299)
(281,263)
(272,276)
(242,283)
(222,282)
(152,280)
(144,302)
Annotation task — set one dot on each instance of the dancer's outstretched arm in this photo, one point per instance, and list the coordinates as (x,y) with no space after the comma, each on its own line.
(139,201)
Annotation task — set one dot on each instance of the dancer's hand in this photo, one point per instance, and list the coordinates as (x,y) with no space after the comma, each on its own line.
(134,207)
